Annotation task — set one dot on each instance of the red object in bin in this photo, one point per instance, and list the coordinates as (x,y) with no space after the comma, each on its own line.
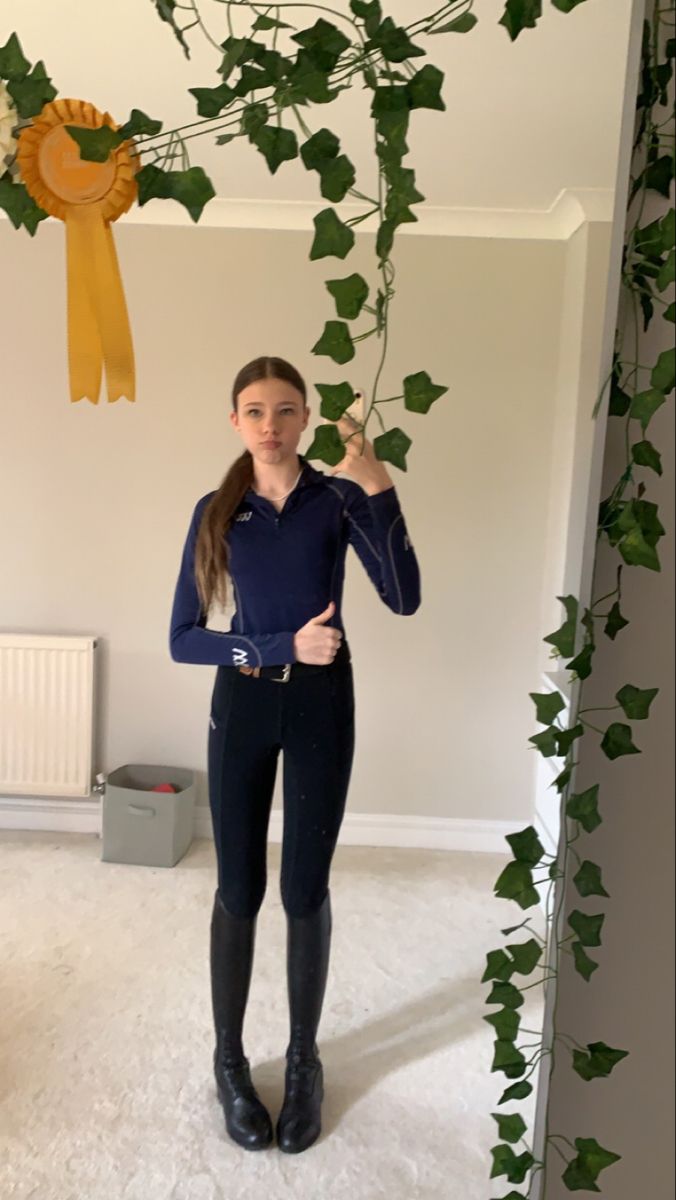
(163,787)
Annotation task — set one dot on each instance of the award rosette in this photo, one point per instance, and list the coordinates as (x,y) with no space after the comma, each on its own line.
(87,196)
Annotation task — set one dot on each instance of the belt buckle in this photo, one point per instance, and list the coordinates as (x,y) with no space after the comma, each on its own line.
(285,677)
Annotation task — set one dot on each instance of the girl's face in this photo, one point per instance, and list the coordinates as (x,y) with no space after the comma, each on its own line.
(271,415)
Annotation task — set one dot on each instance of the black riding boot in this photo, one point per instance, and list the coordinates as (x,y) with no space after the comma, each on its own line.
(232,945)
(308,942)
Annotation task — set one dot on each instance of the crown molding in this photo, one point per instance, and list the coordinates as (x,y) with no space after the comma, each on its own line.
(571,209)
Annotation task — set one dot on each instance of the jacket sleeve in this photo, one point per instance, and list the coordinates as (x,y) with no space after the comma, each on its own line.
(377,530)
(189,639)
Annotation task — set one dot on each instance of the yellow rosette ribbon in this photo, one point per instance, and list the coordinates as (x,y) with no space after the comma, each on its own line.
(87,196)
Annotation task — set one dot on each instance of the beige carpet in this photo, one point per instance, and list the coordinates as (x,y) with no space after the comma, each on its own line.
(106,1090)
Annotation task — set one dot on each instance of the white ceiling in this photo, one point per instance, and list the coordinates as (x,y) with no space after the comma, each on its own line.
(523,120)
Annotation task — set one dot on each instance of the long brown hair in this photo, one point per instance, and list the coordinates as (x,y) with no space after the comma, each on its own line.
(211,549)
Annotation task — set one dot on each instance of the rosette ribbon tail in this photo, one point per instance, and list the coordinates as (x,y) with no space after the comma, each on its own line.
(99,333)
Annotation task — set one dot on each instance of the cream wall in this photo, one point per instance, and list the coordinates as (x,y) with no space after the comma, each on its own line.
(97,499)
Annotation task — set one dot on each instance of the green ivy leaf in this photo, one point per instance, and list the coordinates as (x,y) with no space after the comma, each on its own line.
(324,43)
(583,1171)
(392,447)
(587,879)
(32,92)
(562,779)
(663,375)
(139,124)
(384,239)
(526,845)
(507,1057)
(566,737)
(327,445)
(420,393)
(668,229)
(237,52)
(615,622)
(332,237)
(335,342)
(350,295)
(192,188)
(269,23)
(336,399)
(520,15)
(667,272)
(506,994)
(211,101)
(463,24)
(369,11)
(617,741)
(564,638)
(584,965)
(636,701)
(645,455)
(276,144)
(587,928)
(95,145)
(20,205)
(644,406)
(669,313)
(393,42)
(498,966)
(319,149)
(505,1023)
(659,174)
(337,177)
(547,706)
(516,1091)
(165,11)
(506,1162)
(526,955)
(515,882)
(582,663)
(545,742)
(254,117)
(583,807)
(424,89)
(511,1126)
(13,63)
(597,1061)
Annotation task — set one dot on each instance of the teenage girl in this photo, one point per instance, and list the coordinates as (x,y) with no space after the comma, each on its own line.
(279,530)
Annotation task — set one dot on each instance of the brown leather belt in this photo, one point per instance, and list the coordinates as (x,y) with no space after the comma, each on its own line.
(257,671)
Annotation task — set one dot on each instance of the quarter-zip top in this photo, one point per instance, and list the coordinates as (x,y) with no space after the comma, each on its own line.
(287,566)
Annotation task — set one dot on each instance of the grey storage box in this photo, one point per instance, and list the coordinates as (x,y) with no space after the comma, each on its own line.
(143,827)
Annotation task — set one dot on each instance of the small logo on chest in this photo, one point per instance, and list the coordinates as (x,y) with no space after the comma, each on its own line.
(245,516)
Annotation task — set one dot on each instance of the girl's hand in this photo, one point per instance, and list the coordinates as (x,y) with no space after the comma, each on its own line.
(362,465)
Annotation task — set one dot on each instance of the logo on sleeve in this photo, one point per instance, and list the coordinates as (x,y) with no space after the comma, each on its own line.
(240,658)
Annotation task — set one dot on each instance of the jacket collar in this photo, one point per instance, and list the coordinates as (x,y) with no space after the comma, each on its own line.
(308,477)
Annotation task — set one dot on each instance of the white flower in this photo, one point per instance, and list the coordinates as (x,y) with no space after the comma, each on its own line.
(9,119)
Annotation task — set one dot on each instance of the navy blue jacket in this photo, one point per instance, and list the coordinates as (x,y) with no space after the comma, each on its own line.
(286,566)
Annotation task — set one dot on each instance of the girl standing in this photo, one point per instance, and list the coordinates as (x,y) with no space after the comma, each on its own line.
(279,529)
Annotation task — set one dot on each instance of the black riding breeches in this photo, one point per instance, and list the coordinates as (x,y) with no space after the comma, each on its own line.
(311,719)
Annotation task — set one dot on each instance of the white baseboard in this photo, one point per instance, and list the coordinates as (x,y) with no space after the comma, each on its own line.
(358,829)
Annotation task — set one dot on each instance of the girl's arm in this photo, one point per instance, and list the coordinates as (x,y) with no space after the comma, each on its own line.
(189,639)
(377,530)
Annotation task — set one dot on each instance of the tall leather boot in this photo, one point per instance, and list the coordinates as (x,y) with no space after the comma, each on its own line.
(232,945)
(308,944)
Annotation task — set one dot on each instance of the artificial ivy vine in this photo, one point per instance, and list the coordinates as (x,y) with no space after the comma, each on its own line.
(630,524)
(258,88)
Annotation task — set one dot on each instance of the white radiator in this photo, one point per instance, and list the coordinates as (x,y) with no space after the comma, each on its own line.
(46,714)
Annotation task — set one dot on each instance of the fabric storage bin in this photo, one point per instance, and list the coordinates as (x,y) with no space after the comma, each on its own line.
(143,827)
